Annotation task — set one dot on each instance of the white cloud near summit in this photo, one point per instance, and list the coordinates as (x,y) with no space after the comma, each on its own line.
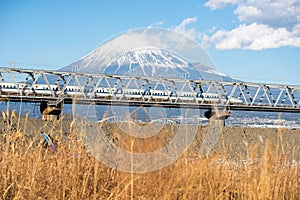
(190,32)
(263,24)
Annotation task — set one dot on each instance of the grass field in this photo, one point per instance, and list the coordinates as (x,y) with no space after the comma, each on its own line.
(31,170)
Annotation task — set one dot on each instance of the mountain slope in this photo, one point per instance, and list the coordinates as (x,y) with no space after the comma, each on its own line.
(150,52)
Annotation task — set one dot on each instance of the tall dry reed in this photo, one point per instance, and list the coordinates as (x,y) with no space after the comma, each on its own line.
(31,170)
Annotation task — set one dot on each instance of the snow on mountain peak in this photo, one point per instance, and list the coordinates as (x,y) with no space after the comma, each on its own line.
(149,62)
(152,57)
(149,52)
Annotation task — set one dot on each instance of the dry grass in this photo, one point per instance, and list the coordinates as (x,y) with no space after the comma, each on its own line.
(30,170)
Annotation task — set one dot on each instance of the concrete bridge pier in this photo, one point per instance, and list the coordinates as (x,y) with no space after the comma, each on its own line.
(50,110)
(217,115)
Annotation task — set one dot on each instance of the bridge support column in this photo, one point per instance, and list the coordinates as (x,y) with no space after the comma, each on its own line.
(50,111)
(217,115)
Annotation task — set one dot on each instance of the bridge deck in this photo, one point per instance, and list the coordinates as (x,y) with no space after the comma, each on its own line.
(22,85)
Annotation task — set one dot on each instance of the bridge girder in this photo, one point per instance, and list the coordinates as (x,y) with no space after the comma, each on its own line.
(189,93)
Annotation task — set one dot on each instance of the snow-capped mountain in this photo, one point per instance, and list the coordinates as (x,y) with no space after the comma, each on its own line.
(150,52)
(150,62)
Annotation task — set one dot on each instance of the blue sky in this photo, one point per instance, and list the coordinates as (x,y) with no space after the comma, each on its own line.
(253,40)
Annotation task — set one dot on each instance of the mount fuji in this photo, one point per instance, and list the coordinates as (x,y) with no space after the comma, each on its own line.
(150,61)
(150,52)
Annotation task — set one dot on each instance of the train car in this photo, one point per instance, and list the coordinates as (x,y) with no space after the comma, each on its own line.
(10,88)
(211,98)
(235,101)
(74,91)
(15,88)
(133,93)
(44,89)
(188,96)
(102,92)
(214,98)
(161,95)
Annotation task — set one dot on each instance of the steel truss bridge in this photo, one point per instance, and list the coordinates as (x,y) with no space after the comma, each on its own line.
(55,88)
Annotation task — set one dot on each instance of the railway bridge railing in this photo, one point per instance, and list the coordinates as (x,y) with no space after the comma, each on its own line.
(55,88)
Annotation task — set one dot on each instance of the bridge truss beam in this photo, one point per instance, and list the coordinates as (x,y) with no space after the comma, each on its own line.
(102,89)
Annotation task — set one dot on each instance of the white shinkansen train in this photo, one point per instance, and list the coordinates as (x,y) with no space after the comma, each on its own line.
(7,88)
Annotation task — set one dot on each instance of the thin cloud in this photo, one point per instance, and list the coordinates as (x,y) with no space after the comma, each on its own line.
(184,29)
(185,22)
(156,24)
(217,4)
